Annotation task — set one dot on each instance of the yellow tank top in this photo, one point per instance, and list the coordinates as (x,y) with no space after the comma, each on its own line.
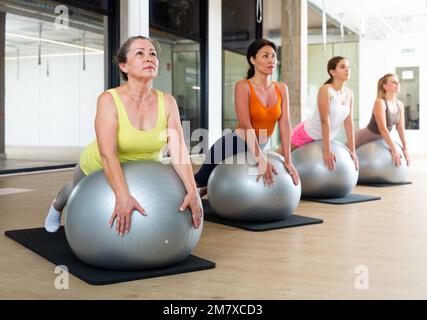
(132,144)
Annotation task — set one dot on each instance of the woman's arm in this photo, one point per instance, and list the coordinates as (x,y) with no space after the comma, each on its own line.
(286,131)
(401,130)
(106,125)
(241,102)
(323,100)
(380,118)
(349,131)
(181,160)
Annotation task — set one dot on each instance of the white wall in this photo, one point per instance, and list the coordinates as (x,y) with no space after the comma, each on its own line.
(380,57)
(54,110)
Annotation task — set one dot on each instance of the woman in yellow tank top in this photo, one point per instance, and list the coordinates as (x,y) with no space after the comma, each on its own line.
(132,123)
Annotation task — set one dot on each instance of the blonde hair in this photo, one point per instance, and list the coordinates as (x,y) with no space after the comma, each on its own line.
(381,93)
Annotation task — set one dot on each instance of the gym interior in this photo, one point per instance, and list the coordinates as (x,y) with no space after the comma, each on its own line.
(371,247)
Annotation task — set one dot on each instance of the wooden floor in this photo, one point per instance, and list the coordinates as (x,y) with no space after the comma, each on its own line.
(389,237)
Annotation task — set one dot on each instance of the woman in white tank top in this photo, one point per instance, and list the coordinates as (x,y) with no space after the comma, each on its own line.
(334,108)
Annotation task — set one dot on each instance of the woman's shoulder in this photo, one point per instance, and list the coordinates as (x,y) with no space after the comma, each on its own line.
(106,97)
(379,104)
(242,83)
(283,88)
(325,89)
(170,104)
(166,95)
(281,85)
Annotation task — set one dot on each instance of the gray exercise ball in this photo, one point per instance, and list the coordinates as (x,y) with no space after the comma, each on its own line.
(164,237)
(316,180)
(234,194)
(376,163)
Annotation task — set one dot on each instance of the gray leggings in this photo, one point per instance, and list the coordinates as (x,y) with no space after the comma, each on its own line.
(365,135)
(64,193)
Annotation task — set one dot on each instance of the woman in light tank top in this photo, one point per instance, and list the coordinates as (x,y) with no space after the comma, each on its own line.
(388,112)
(334,108)
(133,122)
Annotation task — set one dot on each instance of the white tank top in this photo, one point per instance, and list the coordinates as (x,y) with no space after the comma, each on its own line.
(338,112)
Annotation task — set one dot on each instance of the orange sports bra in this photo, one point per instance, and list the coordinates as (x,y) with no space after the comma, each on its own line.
(263,117)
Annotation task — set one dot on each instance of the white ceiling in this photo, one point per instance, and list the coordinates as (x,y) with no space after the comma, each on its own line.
(23,33)
(368,18)
(379,18)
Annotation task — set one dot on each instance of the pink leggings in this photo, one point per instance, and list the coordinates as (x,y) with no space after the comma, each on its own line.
(299,136)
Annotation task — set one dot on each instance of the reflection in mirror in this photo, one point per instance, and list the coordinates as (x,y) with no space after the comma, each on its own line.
(410,95)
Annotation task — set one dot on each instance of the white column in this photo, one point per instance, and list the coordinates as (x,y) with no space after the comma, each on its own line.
(215,70)
(135,19)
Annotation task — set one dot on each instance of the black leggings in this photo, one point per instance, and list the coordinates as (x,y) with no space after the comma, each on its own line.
(228,145)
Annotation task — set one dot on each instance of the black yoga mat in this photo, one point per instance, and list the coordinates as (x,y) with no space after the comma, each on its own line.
(382,185)
(292,221)
(54,247)
(350,198)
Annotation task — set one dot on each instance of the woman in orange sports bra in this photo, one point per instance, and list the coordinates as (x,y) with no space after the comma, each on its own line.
(259,104)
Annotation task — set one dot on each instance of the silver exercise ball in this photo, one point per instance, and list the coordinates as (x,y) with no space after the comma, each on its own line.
(316,180)
(376,163)
(164,237)
(234,194)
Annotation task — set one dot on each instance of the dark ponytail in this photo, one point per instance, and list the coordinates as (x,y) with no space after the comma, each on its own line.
(252,52)
(332,65)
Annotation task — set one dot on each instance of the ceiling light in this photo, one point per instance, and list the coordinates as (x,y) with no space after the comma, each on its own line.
(13,35)
(52,55)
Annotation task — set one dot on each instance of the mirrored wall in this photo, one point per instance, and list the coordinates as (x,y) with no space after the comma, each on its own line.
(54,72)
(178,27)
(410,95)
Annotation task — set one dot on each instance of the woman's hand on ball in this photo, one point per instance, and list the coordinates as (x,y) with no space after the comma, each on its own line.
(406,155)
(123,211)
(292,171)
(329,160)
(353,156)
(192,201)
(396,156)
(266,170)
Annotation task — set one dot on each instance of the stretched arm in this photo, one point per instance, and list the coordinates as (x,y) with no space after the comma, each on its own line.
(181,160)
(106,125)
(349,131)
(401,131)
(380,118)
(285,132)
(323,100)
